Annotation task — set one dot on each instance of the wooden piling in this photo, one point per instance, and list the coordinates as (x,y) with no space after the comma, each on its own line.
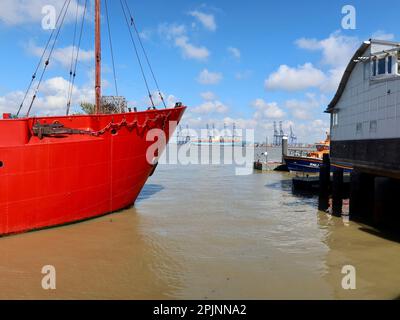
(285,147)
(337,192)
(355,194)
(324,181)
(362,196)
(379,203)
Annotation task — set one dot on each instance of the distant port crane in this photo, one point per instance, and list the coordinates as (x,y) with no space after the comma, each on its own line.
(181,137)
(278,134)
(292,137)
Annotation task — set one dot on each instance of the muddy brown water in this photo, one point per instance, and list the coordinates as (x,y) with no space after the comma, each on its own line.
(201,232)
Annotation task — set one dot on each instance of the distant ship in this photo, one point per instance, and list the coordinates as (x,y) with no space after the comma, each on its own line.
(218,141)
(226,138)
(312,162)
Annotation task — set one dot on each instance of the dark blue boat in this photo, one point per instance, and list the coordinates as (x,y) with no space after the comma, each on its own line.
(309,165)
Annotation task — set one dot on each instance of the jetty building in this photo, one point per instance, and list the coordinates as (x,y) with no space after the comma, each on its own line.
(365,129)
(365,111)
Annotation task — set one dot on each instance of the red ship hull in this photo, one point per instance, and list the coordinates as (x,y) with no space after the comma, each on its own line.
(66,178)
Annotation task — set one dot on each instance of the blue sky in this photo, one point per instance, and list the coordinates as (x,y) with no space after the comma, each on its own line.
(248,62)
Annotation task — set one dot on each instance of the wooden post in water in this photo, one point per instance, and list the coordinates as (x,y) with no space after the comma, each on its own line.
(324,181)
(381,200)
(355,209)
(362,196)
(284,146)
(337,192)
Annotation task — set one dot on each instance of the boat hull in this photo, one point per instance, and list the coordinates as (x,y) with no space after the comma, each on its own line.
(310,165)
(67,178)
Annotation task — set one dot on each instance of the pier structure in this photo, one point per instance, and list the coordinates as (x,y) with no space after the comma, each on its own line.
(365,133)
(262,163)
(372,196)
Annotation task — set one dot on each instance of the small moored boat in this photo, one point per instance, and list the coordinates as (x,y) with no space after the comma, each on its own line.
(313,160)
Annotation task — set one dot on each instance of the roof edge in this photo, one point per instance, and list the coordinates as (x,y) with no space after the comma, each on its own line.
(349,69)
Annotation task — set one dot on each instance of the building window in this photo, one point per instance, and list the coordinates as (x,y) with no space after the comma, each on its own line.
(398,64)
(359,128)
(373,126)
(383,66)
(335,119)
(389,64)
(374,67)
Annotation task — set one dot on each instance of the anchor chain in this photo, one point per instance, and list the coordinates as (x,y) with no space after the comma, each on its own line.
(57,128)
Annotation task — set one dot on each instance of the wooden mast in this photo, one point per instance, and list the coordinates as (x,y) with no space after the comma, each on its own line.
(98,57)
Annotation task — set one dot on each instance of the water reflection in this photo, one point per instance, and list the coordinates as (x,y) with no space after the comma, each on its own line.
(105,258)
(375,259)
(148,191)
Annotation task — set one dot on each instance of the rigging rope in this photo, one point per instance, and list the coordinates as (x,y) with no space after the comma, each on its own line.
(137,55)
(41,60)
(73,53)
(145,54)
(111,48)
(48,60)
(76,59)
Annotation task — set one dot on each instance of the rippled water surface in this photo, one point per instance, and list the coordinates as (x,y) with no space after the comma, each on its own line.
(201,232)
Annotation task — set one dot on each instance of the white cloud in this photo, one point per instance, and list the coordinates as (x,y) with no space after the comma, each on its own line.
(207,20)
(52,98)
(63,55)
(337,49)
(191,51)
(333,78)
(266,110)
(144,102)
(243,75)
(305,109)
(178,35)
(294,79)
(145,34)
(211,107)
(312,131)
(235,52)
(169,99)
(17,12)
(382,35)
(208,95)
(171,31)
(262,120)
(240,123)
(10,102)
(209,78)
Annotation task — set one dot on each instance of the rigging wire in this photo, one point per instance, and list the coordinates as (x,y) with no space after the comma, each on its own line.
(48,59)
(145,53)
(111,48)
(73,49)
(137,54)
(76,59)
(41,60)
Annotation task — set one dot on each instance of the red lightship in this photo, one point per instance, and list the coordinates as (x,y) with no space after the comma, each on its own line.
(61,169)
